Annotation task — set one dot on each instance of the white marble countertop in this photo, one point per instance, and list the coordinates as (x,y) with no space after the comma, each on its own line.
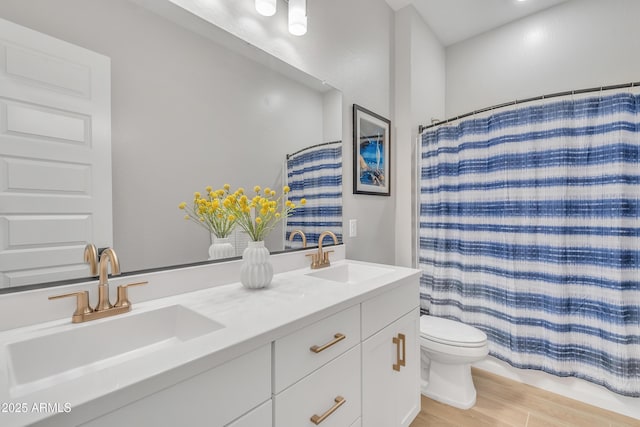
(251,318)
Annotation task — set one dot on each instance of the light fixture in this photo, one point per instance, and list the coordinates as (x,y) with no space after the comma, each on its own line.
(297,13)
(298,17)
(266,7)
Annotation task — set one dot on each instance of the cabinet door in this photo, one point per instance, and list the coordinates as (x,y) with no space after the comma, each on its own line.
(391,374)
(213,398)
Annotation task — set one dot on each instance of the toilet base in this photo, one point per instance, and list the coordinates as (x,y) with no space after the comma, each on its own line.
(450,384)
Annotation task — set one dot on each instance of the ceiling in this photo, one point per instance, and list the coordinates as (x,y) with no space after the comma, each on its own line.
(456,20)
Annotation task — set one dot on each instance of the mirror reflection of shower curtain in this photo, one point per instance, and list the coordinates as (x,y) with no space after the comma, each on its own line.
(315,173)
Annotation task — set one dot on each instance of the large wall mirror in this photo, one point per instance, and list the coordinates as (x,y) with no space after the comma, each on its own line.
(191,106)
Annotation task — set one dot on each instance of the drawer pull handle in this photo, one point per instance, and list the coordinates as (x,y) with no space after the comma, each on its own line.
(339,402)
(337,338)
(402,361)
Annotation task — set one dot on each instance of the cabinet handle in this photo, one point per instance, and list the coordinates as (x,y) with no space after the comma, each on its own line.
(403,338)
(339,402)
(337,338)
(402,361)
(82,304)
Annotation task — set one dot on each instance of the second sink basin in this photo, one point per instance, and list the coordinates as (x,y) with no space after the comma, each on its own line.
(75,351)
(349,273)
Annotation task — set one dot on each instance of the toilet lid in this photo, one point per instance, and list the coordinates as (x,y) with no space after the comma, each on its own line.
(450,332)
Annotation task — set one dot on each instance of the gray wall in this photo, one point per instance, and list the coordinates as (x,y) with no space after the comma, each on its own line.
(578,44)
(186,113)
(419,83)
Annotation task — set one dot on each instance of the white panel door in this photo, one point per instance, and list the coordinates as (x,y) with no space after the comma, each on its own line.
(55,156)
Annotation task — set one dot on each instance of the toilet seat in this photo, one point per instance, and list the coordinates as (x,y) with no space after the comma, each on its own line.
(449,332)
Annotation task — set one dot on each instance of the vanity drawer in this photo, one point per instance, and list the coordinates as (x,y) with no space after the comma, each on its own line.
(384,309)
(293,354)
(321,391)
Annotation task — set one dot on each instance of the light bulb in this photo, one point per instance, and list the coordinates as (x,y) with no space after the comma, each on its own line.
(266,7)
(298,17)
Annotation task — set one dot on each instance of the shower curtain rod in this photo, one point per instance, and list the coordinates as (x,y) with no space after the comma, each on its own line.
(422,128)
(312,146)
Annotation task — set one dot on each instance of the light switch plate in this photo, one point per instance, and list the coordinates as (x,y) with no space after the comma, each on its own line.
(353,228)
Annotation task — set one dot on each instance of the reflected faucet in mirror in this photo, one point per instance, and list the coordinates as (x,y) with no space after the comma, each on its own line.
(84,312)
(302,235)
(91,258)
(321,259)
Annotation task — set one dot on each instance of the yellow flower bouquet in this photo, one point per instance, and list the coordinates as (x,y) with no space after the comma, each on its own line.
(209,212)
(258,215)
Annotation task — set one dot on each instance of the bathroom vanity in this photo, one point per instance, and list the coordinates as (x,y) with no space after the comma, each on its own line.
(336,346)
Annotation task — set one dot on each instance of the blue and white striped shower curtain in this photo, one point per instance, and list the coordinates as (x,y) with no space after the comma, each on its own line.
(316,174)
(530,230)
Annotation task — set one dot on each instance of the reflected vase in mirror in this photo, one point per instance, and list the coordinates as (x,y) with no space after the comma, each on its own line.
(220,248)
(256,271)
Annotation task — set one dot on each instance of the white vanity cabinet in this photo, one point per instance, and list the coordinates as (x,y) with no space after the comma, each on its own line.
(214,398)
(391,359)
(369,378)
(346,355)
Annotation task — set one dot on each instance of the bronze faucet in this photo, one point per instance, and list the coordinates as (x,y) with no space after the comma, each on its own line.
(107,257)
(301,233)
(91,258)
(321,259)
(104,308)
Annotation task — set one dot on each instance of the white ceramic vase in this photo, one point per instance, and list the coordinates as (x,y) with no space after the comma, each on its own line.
(220,248)
(256,271)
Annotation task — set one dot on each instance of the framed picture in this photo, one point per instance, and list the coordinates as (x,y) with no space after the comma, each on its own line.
(371,153)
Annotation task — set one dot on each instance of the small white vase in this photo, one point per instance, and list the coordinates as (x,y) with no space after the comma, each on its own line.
(256,271)
(220,248)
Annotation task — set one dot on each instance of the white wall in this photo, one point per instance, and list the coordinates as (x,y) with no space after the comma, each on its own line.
(578,44)
(186,113)
(332,116)
(419,95)
(349,44)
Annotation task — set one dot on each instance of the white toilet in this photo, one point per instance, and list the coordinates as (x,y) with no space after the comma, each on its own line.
(447,350)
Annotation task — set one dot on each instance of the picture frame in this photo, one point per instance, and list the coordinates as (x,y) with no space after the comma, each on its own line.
(371,153)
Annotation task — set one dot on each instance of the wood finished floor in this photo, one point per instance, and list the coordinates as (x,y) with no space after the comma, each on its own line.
(503,402)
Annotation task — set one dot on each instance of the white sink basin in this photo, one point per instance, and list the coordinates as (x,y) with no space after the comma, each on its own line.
(349,273)
(75,351)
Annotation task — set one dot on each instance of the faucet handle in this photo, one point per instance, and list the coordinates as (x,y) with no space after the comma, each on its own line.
(315,260)
(82,304)
(123,295)
(325,257)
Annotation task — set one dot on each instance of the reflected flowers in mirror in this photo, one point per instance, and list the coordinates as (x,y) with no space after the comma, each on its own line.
(208,211)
